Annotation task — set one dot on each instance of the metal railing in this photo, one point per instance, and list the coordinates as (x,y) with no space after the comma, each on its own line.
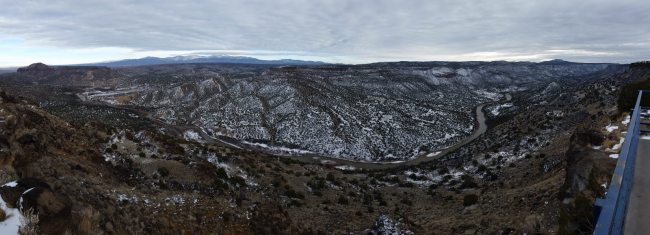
(611,209)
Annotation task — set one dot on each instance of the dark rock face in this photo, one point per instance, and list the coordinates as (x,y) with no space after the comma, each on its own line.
(13,191)
(31,194)
(592,137)
(583,162)
(43,200)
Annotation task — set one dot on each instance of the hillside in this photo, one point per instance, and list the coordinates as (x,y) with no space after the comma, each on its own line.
(94,158)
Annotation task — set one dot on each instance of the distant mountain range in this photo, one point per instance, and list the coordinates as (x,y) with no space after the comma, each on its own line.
(7,70)
(201,60)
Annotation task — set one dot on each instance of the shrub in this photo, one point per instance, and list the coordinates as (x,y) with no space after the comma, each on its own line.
(88,222)
(293,194)
(406,201)
(382,202)
(367,199)
(468,182)
(162,171)
(237,180)
(627,97)
(343,200)
(482,168)
(316,183)
(221,173)
(295,203)
(470,199)
(330,177)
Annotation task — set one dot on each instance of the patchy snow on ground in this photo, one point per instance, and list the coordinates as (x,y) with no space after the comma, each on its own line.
(611,128)
(11,184)
(192,135)
(447,137)
(555,113)
(384,225)
(278,149)
(121,197)
(13,220)
(175,200)
(345,168)
(620,143)
(433,154)
(496,110)
(490,95)
(112,158)
(230,170)
(626,121)
(327,162)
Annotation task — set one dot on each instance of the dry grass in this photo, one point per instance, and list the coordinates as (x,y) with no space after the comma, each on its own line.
(6,174)
(30,223)
(124,99)
(88,221)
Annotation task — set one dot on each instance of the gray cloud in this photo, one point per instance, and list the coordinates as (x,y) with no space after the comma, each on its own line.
(597,30)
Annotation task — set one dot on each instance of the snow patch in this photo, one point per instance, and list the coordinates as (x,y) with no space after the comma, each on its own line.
(618,146)
(490,95)
(14,219)
(279,149)
(626,121)
(192,135)
(496,110)
(611,128)
(176,199)
(11,184)
(345,168)
(384,225)
(433,154)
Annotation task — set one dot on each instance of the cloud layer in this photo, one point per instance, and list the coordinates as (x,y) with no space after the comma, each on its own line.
(341,31)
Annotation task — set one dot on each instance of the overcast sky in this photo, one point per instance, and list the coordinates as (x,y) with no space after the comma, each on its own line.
(66,32)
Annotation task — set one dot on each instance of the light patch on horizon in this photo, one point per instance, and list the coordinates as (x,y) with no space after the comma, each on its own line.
(342,31)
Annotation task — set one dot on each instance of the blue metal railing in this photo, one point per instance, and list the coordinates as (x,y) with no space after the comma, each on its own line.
(613,207)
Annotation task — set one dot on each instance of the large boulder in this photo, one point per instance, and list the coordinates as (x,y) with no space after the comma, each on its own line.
(12,191)
(30,193)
